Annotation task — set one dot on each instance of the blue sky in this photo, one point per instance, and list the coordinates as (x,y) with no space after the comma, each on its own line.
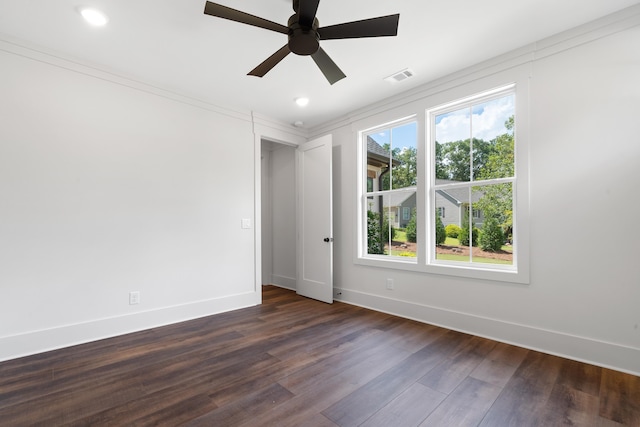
(487,120)
(404,136)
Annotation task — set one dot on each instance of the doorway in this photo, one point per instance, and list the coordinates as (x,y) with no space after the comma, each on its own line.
(278,211)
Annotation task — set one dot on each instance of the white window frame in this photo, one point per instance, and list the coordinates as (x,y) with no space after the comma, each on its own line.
(431,114)
(364,195)
(516,78)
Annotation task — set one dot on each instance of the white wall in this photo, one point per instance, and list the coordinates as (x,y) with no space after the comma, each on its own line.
(107,187)
(584,292)
(283,217)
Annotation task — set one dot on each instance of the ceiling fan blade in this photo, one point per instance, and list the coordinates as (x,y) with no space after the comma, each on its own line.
(327,66)
(373,27)
(225,12)
(270,62)
(307,12)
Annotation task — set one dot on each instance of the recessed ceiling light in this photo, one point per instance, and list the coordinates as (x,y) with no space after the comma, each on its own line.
(94,16)
(302,101)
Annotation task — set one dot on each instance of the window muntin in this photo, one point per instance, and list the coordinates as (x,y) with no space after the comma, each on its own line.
(473,166)
(390,197)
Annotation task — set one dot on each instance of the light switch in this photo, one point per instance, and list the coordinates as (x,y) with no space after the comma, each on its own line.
(246,222)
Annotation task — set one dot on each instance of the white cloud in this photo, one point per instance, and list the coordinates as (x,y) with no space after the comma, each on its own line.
(488,121)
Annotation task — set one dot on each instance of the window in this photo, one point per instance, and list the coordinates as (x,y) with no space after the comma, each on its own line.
(406,213)
(450,202)
(390,198)
(473,174)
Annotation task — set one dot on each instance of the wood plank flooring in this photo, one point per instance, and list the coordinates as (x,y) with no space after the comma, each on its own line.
(298,362)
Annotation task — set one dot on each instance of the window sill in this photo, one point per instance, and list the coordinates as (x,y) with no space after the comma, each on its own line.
(494,274)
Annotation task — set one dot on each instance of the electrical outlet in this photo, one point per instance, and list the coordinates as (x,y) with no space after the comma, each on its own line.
(134,297)
(390,284)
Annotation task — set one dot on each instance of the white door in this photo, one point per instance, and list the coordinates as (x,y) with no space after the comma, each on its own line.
(314,220)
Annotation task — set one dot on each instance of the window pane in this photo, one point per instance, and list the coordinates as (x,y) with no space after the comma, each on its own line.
(482,223)
(403,143)
(492,213)
(492,124)
(453,151)
(452,210)
(375,236)
(379,159)
(389,232)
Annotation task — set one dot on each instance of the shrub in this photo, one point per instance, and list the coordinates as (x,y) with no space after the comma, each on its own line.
(452,231)
(387,233)
(491,236)
(441,234)
(464,236)
(374,242)
(412,228)
(378,236)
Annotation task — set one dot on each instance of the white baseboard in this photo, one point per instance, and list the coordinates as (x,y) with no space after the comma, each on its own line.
(284,282)
(51,339)
(599,353)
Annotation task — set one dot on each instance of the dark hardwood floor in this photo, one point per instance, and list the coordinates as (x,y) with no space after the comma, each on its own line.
(297,362)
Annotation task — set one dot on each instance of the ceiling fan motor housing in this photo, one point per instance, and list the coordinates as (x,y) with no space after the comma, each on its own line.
(303,40)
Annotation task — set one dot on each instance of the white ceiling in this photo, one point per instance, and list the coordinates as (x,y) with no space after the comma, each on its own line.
(172,44)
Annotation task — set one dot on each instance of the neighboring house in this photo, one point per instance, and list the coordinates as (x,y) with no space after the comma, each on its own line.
(378,160)
(377,164)
(453,202)
(404,210)
(400,205)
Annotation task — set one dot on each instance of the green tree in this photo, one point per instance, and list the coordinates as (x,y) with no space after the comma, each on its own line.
(497,200)
(441,234)
(405,173)
(442,171)
(453,159)
(374,242)
(379,232)
(500,162)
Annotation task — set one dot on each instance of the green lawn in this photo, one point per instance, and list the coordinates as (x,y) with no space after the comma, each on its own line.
(400,236)
(462,258)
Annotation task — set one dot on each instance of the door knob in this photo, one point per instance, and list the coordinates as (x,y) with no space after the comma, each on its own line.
(328,239)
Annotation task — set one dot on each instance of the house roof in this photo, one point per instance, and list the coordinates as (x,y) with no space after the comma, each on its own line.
(377,155)
(457,195)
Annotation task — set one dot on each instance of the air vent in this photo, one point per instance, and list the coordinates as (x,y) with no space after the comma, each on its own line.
(400,76)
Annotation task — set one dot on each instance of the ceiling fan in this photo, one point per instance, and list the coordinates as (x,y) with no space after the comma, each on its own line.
(305,34)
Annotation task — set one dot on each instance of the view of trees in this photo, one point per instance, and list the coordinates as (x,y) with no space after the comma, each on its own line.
(406,173)
(492,159)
